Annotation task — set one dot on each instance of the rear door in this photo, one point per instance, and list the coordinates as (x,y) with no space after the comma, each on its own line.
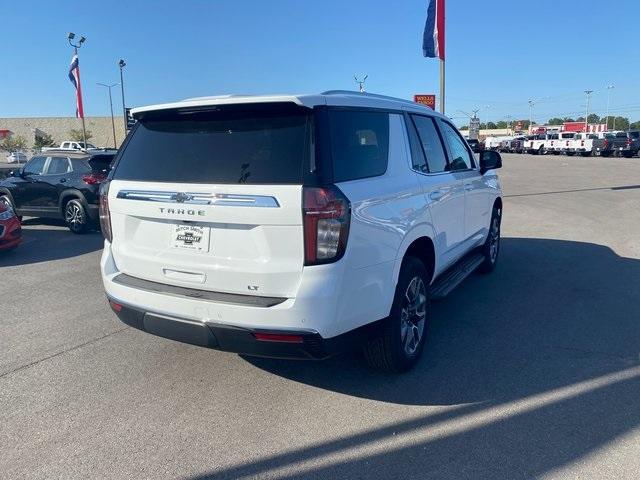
(212,199)
(55,181)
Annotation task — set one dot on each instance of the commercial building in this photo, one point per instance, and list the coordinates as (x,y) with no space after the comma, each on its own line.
(59,128)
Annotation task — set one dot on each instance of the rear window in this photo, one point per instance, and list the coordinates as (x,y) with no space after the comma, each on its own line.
(359,143)
(101,163)
(220,146)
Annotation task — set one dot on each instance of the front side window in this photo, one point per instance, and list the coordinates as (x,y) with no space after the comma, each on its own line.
(459,155)
(431,144)
(359,144)
(35,166)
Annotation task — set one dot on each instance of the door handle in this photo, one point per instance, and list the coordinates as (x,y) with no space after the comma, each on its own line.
(436,195)
(63,180)
(468,187)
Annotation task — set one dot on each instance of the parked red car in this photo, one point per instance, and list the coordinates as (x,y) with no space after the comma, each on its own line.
(10,230)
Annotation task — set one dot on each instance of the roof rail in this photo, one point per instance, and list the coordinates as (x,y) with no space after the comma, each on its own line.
(206,97)
(367,94)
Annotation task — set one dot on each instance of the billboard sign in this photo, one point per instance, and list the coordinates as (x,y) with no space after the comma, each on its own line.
(426,99)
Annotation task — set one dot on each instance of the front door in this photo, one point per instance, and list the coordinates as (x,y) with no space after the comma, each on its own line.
(443,188)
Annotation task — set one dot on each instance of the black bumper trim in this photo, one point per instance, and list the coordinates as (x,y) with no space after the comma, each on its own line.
(235,339)
(218,297)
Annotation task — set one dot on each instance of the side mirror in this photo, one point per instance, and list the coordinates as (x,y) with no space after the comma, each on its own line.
(489,160)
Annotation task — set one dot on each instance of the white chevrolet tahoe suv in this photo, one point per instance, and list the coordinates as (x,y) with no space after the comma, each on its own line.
(295,226)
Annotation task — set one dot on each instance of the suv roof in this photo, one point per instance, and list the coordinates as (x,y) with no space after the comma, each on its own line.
(330,97)
(78,153)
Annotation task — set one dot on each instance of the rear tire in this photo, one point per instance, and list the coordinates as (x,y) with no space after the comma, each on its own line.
(397,346)
(75,216)
(491,247)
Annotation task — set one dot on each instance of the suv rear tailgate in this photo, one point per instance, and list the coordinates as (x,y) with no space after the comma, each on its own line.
(238,247)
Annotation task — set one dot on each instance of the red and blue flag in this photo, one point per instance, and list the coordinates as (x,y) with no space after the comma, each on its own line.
(433,38)
(74,76)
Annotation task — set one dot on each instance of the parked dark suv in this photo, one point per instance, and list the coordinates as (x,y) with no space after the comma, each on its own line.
(59,184)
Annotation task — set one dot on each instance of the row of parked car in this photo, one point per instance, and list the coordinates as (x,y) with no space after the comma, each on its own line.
(605,144)
(58,183)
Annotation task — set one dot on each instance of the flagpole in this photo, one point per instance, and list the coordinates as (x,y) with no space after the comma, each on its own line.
(442,86)
(84,130)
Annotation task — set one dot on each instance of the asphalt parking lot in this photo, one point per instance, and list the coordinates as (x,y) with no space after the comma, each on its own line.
(530,372)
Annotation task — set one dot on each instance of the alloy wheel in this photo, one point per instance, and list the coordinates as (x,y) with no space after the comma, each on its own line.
(413,315)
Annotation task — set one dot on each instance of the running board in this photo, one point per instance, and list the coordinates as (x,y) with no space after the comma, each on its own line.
(450,279)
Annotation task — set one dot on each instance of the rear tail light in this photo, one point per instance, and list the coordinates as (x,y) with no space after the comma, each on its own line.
(629,141)
(605,143)
(104,214)
(326,215)
(94,178)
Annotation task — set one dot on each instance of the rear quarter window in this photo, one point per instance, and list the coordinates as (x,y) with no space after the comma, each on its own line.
(359,144)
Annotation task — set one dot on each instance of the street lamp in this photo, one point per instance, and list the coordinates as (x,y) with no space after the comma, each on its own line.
(609,88)
(113,125)
(76,46)
(586,118)
(123,64)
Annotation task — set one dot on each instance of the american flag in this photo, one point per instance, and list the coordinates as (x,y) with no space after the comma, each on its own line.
(74,76)
(433,38)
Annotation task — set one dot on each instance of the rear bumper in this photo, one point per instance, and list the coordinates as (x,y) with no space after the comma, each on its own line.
(309,345)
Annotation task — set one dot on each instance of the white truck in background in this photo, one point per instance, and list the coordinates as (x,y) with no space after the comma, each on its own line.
(582,143)
(71,145)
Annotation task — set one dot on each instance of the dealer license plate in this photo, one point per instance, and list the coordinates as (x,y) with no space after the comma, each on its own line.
(191,237)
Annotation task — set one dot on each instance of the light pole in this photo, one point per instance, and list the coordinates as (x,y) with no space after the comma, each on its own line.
(70,37)
(487,107)
(609,88)
(123,64)
(509,117)
(586,118)
(113,125)
(531,104)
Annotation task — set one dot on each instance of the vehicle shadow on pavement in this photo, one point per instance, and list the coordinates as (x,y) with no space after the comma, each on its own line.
(46,244)
(538,364)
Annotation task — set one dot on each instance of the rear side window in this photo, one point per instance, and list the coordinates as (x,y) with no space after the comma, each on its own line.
(58,166)
(431,144)
(226,147)
(359,144)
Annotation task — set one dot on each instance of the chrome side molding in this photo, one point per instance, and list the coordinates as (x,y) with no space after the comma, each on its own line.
(190,198)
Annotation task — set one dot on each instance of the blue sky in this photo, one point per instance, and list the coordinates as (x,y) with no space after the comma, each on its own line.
(499,54)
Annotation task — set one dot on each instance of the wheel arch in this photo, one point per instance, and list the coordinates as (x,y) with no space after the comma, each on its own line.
(420,243)
(71,194)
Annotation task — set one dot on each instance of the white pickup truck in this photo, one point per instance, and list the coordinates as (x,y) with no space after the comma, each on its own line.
(534,144)
(71,145)
(582,143)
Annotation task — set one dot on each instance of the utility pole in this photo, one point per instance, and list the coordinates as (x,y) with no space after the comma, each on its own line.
(586,118)
(361,82)
(609,88)
(531,104)
(70,37)
(113,124)
(123,64)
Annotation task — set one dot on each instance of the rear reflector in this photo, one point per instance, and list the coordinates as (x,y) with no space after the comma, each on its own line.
(278,337)
(116,307)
